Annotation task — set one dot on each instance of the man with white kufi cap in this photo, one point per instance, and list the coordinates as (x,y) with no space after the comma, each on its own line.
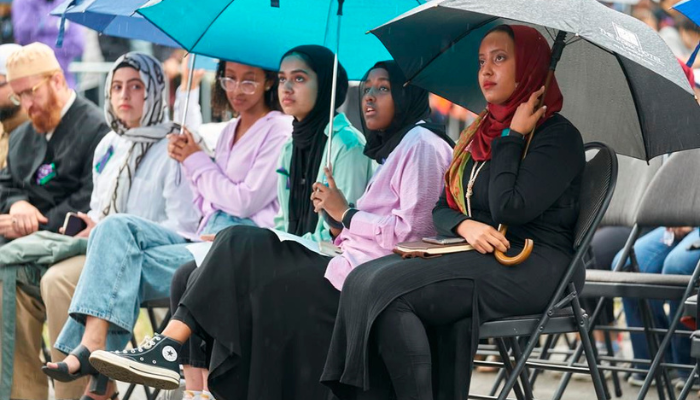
(48,174)
(11,115)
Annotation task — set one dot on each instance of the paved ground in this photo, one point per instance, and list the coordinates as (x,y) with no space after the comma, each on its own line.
(545,388)
(547,383)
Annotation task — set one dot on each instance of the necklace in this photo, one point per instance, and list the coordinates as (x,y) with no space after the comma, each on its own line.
(470,185)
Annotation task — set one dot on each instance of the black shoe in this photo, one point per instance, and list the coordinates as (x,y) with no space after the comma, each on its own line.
(61,373)
(153,363)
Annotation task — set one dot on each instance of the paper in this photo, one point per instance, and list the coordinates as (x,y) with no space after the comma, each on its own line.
(323,248)
(199,250)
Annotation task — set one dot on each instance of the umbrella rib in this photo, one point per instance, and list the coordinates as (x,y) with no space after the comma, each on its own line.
(448,46)
(575,40)
(636,106)
(546,29)
(328,21)
(204,32)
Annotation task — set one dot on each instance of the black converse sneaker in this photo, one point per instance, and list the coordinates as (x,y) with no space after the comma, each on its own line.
(153,363)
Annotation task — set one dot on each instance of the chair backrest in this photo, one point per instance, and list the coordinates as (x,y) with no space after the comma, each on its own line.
(673,196)
(633,177)
(597,187)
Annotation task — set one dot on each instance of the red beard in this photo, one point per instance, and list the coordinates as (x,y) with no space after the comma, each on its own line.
(45,118)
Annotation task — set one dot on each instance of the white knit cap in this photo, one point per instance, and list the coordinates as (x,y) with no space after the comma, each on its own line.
(5,51)
(33,59)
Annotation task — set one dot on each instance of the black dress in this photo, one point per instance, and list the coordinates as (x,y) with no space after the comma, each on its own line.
(537,198)
(273,303)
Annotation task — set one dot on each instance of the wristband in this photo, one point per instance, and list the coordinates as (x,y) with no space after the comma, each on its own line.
(347,216)
(514,133)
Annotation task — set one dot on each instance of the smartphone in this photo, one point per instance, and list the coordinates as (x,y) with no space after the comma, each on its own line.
(73,224)
(444,240)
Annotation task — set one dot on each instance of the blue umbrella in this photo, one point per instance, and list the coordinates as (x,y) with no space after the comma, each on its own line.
(119,18)
(111,17)
(691,9)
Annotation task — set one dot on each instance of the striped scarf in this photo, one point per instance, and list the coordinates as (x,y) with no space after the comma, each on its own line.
(154,123)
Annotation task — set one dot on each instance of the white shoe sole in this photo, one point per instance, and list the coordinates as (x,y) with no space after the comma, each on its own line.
(126,370)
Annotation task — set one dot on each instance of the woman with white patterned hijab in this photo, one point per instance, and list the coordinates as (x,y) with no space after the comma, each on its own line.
(136,184)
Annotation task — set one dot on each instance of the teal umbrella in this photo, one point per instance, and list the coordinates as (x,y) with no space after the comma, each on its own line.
(259,32)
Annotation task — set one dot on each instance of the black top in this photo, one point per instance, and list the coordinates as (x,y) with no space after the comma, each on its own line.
(510,191)
(71,150)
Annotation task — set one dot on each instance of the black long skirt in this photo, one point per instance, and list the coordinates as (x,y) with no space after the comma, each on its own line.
(353,369)
(267,314)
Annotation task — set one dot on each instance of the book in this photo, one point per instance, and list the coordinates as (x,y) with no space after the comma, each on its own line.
(427,250)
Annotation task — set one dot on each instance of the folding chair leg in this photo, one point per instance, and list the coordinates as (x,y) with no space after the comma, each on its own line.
(669,334)
(525,375)
(615,377)
(588,349)
(508,367)
(688,385)
(500,378)
(566,378)
(520,364)
(544,355)
(661,376)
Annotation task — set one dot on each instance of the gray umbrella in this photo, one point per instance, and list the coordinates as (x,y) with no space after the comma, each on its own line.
(621,84)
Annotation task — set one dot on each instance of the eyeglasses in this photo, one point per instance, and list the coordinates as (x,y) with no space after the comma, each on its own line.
(229,85)
(17,98)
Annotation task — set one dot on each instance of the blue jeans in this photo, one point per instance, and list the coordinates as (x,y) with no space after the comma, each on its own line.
(220,221)
(129,260)
(656,257)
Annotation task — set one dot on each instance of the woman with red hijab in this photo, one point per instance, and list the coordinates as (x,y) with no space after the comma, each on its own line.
(424,315)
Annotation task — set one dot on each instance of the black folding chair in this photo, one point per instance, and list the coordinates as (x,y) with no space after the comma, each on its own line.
(563,313)
(671,200)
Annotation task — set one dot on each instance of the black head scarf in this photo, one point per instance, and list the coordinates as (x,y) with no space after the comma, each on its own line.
(309,139)
(410,105)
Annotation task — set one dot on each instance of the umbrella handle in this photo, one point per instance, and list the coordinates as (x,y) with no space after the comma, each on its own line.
(503,259)
(529,244)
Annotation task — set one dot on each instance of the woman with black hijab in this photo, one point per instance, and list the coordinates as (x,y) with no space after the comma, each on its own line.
(271,333)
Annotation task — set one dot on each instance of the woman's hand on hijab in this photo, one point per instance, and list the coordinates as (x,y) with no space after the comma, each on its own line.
(182,146)
(329,198)
(484,238)
(526,117)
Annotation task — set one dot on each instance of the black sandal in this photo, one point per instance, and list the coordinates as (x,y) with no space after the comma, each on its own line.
(61,373)
(98,386)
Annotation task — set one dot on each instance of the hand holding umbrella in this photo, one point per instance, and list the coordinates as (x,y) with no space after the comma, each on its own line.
(524,122)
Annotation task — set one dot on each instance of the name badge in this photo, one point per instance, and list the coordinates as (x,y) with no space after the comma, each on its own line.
(100,166)
(45,173)
(284,172)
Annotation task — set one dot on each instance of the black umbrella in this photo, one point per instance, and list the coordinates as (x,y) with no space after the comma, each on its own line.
(622,85)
